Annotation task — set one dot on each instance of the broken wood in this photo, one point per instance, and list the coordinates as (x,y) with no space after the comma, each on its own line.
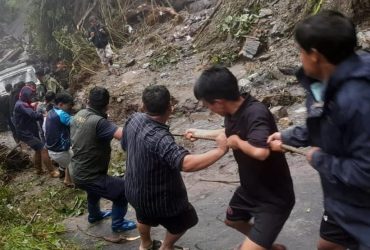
(88,11)
(33,217)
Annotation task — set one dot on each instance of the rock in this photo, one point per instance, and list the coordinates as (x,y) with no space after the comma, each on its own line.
(279,112)
(164,75)
(364,39)
(300,110)
(146,65)
(260,78)
(245,85)
(130,63)
(264,13)
(251,47)
(278,29)
(283,99)
(264,57)
(285,122)
(150,53)
(119,100)
(289,70)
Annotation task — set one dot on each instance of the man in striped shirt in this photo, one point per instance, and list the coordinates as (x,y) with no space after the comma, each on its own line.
(153,184)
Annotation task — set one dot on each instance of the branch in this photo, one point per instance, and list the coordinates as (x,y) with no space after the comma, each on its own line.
(79,24)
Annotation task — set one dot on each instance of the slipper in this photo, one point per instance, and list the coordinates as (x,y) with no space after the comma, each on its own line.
(156,244)
(177,247)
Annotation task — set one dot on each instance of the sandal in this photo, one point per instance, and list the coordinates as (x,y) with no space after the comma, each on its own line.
(177,247)
(156,244)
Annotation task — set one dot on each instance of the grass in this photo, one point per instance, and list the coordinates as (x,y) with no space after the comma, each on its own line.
(31,214)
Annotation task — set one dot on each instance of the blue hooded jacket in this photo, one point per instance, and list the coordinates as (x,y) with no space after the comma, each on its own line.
(342,131)
(25,117)
(57,130)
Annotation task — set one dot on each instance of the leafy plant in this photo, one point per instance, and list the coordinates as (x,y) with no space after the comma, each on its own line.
(238,25)
(167,55)
(223,58)
(33,222)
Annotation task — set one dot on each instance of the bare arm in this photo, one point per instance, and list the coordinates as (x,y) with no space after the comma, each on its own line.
(258,153)
(192,163)
(118,134)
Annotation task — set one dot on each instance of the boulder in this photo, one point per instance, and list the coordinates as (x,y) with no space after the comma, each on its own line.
(279,112)
(251,47)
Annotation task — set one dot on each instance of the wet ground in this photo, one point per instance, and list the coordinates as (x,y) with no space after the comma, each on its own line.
(210,199)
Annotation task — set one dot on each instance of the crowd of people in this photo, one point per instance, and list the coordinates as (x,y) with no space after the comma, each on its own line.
(337,80)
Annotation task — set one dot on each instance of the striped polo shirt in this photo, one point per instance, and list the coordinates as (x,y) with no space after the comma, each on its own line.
(153,182)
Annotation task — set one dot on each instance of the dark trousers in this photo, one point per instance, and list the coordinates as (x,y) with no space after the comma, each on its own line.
(110,188)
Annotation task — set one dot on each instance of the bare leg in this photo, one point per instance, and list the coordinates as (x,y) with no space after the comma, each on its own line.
(250,245)
(37,162)
(47,162)
(327,245)
(170,240)
(242,226)
(146,240)
(67,178)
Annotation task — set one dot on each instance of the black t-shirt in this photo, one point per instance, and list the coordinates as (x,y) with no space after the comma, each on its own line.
(267,181)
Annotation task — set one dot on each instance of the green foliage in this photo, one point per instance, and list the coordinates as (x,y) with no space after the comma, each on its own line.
(118,163)
(47,16)
(33,222)
(224,58)
(9,9)
(238,26)
(315,6)
(165,56)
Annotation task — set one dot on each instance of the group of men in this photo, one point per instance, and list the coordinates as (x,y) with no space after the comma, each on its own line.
(337,80)
(39,117)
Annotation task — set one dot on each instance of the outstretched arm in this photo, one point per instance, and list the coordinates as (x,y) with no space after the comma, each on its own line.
(192,163)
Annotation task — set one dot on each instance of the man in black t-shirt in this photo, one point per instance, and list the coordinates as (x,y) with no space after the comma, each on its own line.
(266,191)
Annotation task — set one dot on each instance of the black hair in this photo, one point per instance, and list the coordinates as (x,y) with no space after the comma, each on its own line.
(98,98)
(331,33)
(63,97)
(40,72)
(18,86)
(49,96)
(8,87)
(216,82)
(156,99)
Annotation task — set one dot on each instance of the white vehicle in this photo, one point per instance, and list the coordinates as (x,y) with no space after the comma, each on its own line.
(13,75)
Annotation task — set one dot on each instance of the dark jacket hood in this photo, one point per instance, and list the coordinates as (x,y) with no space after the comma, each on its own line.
(26,94)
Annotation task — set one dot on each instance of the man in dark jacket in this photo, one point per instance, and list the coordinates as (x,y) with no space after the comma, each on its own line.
(26,120)
(98,35)
(91,135)
(340,134)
